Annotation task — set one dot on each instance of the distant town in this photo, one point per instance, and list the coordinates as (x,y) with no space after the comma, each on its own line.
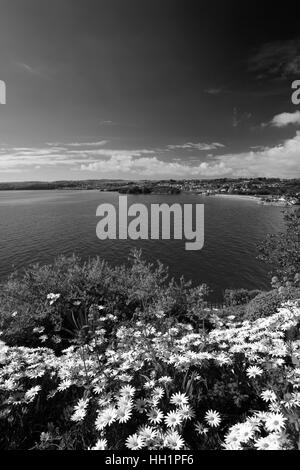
(277,191)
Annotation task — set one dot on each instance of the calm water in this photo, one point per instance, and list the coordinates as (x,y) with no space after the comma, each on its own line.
(36,226)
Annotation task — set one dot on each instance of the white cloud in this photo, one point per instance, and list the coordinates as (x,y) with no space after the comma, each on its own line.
(281,161)
(196,146)
(278,161)
(78,144)
(110,152)
(284,119)
(58,156)
(152,167)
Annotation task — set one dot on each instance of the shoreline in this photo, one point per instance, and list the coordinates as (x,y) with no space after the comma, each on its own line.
(258,199)
(233,196)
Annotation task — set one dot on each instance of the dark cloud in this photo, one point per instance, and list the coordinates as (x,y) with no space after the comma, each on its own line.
(277,59)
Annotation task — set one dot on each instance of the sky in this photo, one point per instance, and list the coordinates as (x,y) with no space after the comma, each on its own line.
(141,89)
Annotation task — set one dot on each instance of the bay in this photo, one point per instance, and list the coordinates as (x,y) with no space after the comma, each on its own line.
(37,226)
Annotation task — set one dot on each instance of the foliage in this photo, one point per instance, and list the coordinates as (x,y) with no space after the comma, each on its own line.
(233,297)
(282,251)
(125,291)
(263,305)
(116,358)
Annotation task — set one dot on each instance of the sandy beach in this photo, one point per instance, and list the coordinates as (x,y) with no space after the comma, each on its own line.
(235,196)
(257,199)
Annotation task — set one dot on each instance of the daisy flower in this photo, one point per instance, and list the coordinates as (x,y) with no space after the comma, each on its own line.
(268,395)
(254,371)
(127,391)
(232,446)
(140,405)
(200,429)
(10,384)
(32,392)
(270,442)
(101,444)
(275,422)
(155,416)
(245,432)
(165,379)
(259,416)
(134,442)
(39,329)
(173,441)
(148,433)
(43,338)
(179,399)
(158,393)
(56,339)
(149,384)
(125,402)
(274,407)
(53,298)
(232,439)
(186,412)
(153,402)
(64,385)
(212,418)
(109,415)
(123,414)
(125,377)
(98,389)
(100,422)
(172,419)
(80,410)
(104,400)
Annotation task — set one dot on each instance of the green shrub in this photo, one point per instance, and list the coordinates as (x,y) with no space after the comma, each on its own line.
(239,296)
(80,288)
(266,303)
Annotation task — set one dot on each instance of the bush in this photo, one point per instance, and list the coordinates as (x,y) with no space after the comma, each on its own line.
(239,296)
(266,303)
(282,251)
(28,302)
(263,305)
